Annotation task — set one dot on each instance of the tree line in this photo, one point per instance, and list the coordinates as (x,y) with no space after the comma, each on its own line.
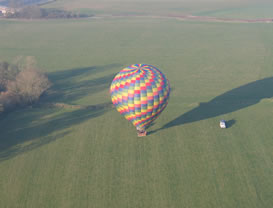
(21,85)
(29,9)
(35,12)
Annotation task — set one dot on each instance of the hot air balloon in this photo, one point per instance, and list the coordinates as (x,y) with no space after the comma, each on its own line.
(140,92)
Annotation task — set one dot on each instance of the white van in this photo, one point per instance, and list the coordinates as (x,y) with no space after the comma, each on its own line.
(223,124)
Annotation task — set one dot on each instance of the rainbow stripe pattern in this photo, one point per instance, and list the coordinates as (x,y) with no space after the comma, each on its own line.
(140,92)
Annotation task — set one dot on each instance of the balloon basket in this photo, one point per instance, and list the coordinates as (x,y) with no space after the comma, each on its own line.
(141,133)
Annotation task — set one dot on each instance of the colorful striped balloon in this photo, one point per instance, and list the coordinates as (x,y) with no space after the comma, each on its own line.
(140,92)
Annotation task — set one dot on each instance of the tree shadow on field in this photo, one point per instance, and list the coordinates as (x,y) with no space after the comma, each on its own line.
(71,85)
(30,128)
(233,100)
(36,127)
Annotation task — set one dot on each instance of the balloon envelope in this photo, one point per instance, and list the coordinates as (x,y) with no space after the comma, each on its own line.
(140,92)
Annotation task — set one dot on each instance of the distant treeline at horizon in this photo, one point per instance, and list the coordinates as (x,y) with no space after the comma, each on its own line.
(35,12)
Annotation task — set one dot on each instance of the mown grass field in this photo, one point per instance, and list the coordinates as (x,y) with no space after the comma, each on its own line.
(91,157)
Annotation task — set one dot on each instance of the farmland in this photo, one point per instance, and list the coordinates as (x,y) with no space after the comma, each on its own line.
(90,156)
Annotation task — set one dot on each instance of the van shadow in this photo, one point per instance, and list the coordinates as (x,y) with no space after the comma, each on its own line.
(31,128)
(233,100)
(230,123)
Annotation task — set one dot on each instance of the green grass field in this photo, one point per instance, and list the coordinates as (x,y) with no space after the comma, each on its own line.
(249,9)
(54,157)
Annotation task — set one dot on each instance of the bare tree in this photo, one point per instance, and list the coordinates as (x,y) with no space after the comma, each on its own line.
(1,108)
(8,101)
(23,87)
(3,75)
(28,86)
(7,72)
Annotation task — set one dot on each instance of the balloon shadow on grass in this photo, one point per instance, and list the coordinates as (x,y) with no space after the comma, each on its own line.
(230,101)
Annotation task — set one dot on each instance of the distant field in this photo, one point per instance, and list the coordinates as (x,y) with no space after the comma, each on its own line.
(216,8)
(91,157)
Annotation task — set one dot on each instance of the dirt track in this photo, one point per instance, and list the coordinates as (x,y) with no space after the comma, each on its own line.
(198,18)
(219,19)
